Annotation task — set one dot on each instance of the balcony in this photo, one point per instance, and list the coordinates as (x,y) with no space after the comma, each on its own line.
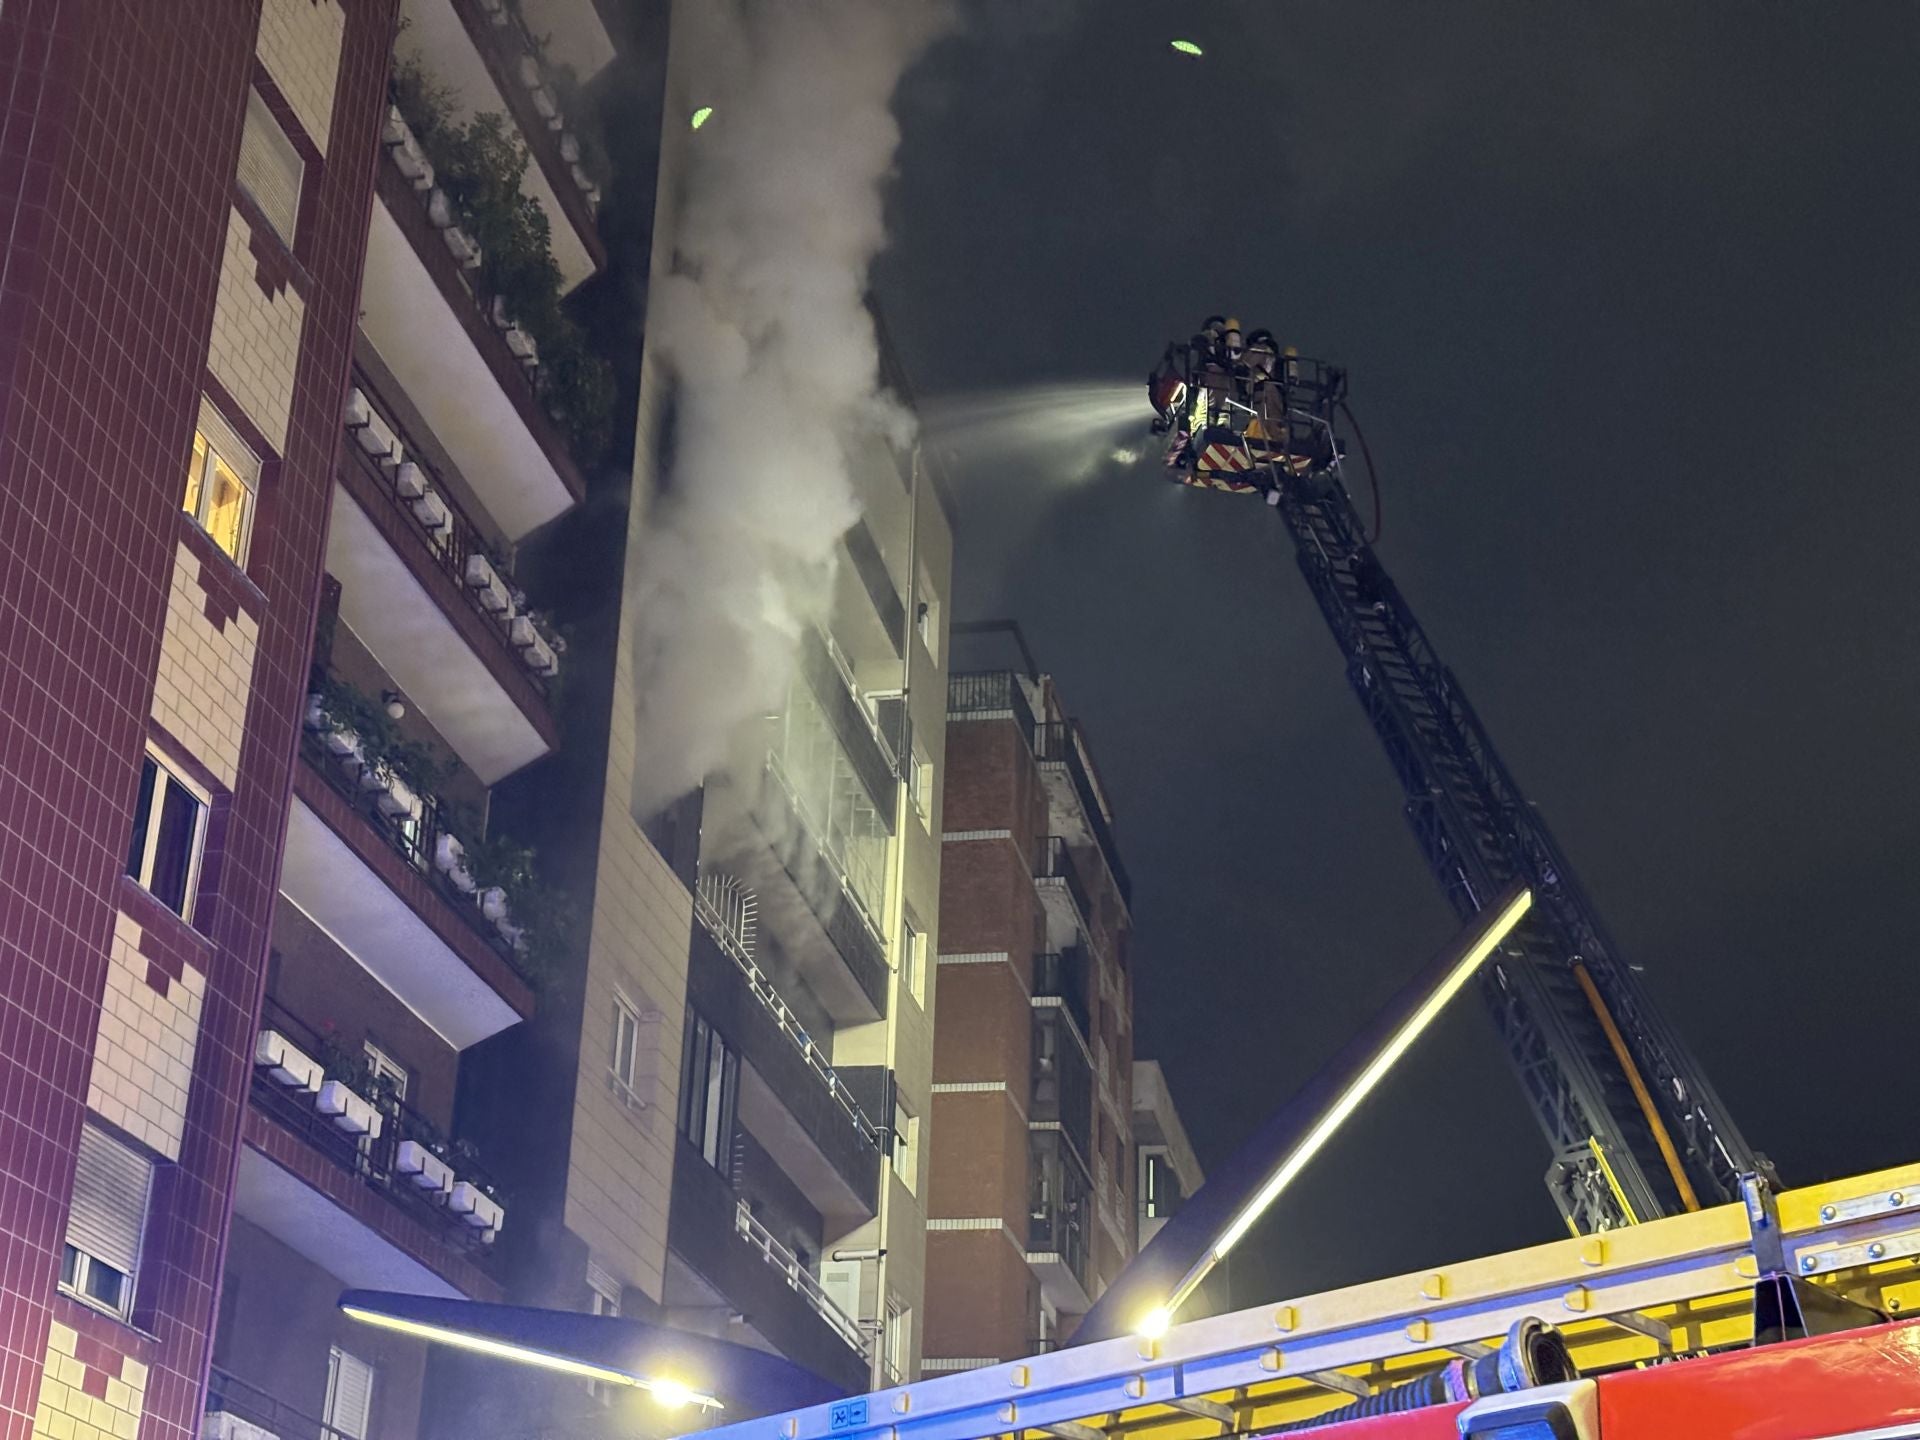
(799,1109)
(715,1235)
(989,695)
(1062,895)
(427,324)
(806,898)
(1061,976)
(377,868)
(1073,800)
(1059,1214)
(485,56)
(425,592)
(338,1170)
(1062,1080)
(868,754)
(237,1410)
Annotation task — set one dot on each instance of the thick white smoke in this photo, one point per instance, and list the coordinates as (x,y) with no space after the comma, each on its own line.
(766,330)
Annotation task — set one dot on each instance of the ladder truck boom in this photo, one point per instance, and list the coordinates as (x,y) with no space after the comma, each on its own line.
(1636,1130)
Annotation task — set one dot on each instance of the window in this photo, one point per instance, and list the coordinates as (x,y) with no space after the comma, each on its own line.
(386,1070)
(111,1182)
(623,1056)
(1159,1187)
(222,477)
(270,168)
(906,1146)
(604,1300)
(913,957)
(709,1090)
(349,1406)
(926,615)
(897,1339)
(920,784)
(169,829)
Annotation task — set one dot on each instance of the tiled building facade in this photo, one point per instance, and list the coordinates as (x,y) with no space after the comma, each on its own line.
(152,682)
(1031,1210)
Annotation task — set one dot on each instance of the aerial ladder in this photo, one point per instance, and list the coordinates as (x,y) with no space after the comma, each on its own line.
(1636,1130)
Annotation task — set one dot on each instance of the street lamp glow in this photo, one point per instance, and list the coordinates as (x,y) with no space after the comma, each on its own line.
(667,1392)
(1350,1098)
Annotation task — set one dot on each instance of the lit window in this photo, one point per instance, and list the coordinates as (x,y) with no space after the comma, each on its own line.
(913,957)
(270,168)
(111,1182)
(221,479)
(899,1336)
(920,784)
(169,830)
(623,1057)
(349,1405)
(906,1146)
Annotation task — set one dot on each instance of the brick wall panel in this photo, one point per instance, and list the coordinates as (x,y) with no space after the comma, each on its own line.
(257,323)
(300,46)
(206,664)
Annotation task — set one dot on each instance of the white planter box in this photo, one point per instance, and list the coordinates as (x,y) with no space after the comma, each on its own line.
(570,147)
(530,72)
(520,632)
(347,1110)
(374,781)
(539,658)
(224,1425)
(412,160)
(343,743)
(493,903)
(429,1171)
(462,247)
(286,1062)
(497,312)
(358,410)
(479,1208)
(431,511)
(521,344)
(439,208)
(409,481)
(581,179)
(316,718)
(395,131)
(514,935)
(489,588)
(376,437)
(448,853)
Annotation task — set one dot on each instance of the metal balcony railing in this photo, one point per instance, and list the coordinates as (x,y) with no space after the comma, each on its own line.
(845,922)
(1053,866)
(763,990)
(373,1159)
(989,692)
(228,1394)
(1063,975)
(803,1280)
(1060,1209)
(457,548)
(1056,743)
(415,834)
(866,749)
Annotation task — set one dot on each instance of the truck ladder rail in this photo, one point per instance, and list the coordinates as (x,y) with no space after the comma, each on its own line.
(1651,1292)
(1632,1141)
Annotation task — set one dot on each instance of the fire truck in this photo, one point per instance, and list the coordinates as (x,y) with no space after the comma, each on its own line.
(1771,1318)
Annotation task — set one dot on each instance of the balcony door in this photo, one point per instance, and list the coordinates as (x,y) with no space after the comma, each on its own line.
(349,1412)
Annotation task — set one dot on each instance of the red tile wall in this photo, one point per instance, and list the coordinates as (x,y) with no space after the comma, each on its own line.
(117,151)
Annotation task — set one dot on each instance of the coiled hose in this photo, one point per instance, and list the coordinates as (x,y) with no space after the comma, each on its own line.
(1534,1353)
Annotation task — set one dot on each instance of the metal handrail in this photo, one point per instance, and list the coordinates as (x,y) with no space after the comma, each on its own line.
(1062,975)
(228,1394)
(451,549)
(1054,861)
(1057,742)
(748,1227)
(375,1160)
(988,692)
(846,924)
(414,838)
(763,990)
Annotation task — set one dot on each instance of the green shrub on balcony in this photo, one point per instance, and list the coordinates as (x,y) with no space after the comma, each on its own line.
(480,165)
(413,763)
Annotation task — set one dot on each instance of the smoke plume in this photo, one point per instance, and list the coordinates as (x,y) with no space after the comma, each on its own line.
(764,325)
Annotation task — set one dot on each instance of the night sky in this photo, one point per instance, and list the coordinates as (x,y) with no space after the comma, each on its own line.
(1630,295)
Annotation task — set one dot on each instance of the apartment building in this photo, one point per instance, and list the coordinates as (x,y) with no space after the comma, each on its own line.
(1031,1200)
(294,407)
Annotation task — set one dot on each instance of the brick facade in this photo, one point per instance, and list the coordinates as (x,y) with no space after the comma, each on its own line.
(119,151)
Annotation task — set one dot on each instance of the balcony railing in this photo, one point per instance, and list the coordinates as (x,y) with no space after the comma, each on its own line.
(395,474)
(1059,1212)
(414,826)
(1053,866)
(846,921)
(403,1154)
(800,1278)
(989,692)
(866,749)
(1056,744)
(1063,975)
(769,997)
(228,1394)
